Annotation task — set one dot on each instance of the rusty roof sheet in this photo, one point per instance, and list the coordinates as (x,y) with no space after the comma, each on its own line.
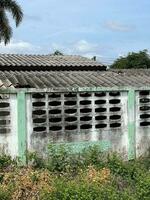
(47,62)
(74,79)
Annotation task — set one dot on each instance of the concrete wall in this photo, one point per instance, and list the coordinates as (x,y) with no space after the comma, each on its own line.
(142,122)
(78,118)
(116,119)
(8,124)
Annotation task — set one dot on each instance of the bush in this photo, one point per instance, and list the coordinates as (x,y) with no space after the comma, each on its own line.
(88,175)
(5,194)
(35,160)
(6,161)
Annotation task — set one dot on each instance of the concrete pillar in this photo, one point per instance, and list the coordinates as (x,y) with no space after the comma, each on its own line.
(131,125)
(22,130)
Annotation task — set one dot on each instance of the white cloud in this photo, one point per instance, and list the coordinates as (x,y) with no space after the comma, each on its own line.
(116,26)
(80,47)
(16,46)
(83,46)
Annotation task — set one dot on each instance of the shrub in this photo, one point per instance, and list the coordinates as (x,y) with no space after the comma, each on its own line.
(65,175)
(34,159)
(6,161)
(93,156)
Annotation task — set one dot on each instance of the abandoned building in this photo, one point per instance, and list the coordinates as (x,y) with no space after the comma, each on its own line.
(72,100)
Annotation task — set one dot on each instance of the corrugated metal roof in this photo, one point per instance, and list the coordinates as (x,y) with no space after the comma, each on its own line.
(61,79)
(47,62)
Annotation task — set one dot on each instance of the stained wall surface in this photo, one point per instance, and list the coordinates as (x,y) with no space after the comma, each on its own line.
(85,117)
(142,122)
(8,124)
(116,120)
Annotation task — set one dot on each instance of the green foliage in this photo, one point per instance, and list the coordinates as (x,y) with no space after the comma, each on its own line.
(73,190)
(35,160)
(15,10)
(65,175)
(133,60)
(62,159)
(5,195)
(93,156)
(57,53)
(6,161)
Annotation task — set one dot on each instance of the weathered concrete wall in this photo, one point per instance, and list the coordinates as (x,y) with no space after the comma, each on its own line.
(8,124)
(142,122)
(116,119)
(78,118)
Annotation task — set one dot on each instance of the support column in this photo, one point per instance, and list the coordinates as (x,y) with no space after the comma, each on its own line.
(22,137)
(131,125)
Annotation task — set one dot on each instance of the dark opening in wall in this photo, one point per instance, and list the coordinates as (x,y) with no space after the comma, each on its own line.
(100,110)
(86,126)
(55,112)
(114,101)
(101,117)
(86,94)
(38,104)
(4,105)
(4,130)
(85,102)
(71,119)
(144,100)
(99,126)
(55,128)
(71,127)
(4,122)
(54,95)
(54,103)
(85,118)
(39,120)
(70,103)
(145,116)
(100,94)
(85,110)
(115,109)
(70,95)
(144,93)
(70,111)
(144,108)
(4,113)
(39,112)
(145,124)
(39,129)
(38,96)
(114,94)
(55,120)
(115,117)
(100,101)
(115,125)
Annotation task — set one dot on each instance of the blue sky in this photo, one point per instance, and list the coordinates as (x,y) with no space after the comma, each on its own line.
(105,28)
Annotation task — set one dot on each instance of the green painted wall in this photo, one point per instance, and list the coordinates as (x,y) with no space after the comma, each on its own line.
(77,147)
(22,138)
(131,125)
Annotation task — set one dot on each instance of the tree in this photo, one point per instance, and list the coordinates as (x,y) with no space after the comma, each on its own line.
(57,53)
(15,10)
(133,60)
